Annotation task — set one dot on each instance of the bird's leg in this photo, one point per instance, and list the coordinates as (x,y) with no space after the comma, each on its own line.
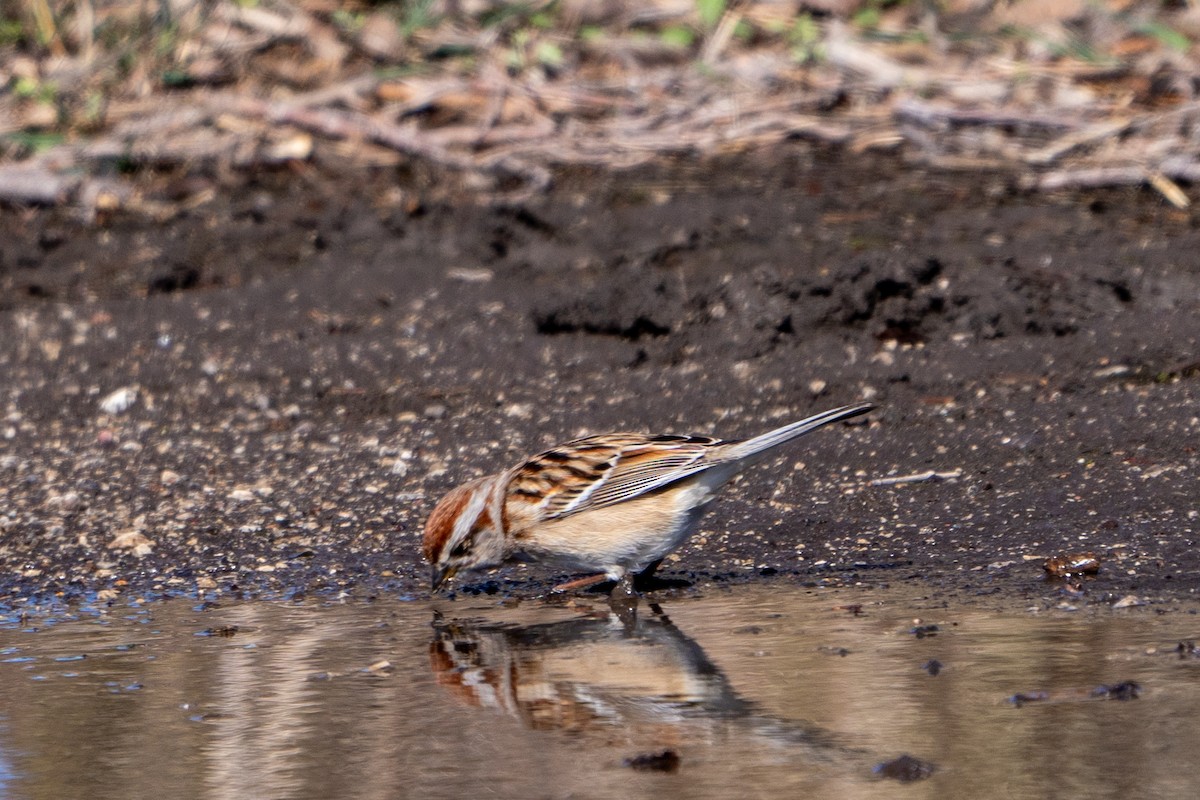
(645,578)
(649,571)
(580,583)
(623,600)
(624,587)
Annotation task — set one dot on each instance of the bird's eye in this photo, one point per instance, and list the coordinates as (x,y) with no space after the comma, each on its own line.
(461,549)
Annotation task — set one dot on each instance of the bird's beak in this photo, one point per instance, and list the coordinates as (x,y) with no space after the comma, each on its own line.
(440,575)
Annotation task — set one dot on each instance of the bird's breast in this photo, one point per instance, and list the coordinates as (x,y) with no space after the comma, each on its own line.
(628,535)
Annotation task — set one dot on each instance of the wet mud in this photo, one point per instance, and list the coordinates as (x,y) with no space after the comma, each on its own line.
(264,391)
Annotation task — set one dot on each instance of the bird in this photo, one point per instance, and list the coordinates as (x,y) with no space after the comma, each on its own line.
(613,504)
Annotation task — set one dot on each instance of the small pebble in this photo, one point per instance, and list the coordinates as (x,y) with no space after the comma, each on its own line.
(119,401)
(665,761)
(905,769)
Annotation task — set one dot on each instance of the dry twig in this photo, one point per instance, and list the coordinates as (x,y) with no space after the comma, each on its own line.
(919,477)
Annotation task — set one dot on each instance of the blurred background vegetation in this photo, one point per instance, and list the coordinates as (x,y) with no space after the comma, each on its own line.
(474,83)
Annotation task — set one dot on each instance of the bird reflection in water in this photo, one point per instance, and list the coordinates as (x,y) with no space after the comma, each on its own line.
(632,679)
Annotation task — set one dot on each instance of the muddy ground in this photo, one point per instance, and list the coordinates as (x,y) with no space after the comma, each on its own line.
(318,354)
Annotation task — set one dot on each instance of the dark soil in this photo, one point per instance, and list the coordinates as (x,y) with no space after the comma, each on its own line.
(318,356)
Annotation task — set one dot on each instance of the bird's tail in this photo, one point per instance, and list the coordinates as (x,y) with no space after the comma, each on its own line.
(760,444)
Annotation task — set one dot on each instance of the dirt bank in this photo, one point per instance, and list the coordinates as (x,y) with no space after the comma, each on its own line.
(312,357)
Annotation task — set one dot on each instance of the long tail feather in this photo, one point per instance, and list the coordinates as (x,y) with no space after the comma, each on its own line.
(759,444)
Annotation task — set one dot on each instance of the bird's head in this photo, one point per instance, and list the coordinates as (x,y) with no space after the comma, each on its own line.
(464,530)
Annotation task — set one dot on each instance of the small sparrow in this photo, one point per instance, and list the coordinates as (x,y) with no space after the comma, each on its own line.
(615,503)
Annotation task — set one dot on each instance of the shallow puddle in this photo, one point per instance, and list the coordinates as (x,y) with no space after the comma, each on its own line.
(754,692)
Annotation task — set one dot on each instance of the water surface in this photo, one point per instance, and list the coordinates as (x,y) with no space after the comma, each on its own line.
(759,691)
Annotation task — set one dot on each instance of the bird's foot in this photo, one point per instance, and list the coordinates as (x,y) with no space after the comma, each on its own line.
(624,599)
(647,581)
(624,590)
(580,583)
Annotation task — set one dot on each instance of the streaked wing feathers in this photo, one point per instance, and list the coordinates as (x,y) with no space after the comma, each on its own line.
(601,470)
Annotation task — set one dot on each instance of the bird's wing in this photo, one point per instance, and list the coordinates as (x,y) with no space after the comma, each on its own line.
(599,471)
